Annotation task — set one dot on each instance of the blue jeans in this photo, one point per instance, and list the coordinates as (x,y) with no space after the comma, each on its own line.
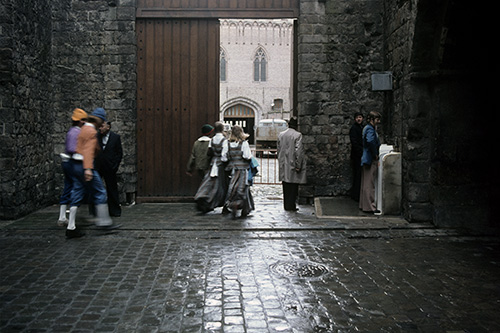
(68,182)
(94,189)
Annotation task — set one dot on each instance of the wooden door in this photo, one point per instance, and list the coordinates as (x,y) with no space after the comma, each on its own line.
(177,92)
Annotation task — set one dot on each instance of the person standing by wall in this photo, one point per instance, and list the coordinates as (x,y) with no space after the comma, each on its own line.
(355,135)
(107,163)
(292,164)
(369,164)
(78,118)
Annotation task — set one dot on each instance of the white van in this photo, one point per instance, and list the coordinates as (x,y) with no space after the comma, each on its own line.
(266,133)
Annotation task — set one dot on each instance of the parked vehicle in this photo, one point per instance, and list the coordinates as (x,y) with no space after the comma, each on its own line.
(266,134)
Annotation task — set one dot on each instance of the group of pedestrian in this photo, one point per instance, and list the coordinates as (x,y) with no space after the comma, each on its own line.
(365,145)
(224,162)
(227,173)
(92,151)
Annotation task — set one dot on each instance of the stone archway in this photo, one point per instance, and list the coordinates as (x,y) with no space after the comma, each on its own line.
(242,115)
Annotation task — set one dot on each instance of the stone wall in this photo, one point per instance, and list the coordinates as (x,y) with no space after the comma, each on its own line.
(94,51)
(339,46)
(436,110)
(399,19)
(26,120)
(56,56)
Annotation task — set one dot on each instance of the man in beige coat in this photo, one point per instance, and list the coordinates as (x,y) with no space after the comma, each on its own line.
(292,164)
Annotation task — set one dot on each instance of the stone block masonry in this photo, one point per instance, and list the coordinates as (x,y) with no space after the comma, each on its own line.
(58,55)
(340,44)
(94,47)
(55,56)
(26,161)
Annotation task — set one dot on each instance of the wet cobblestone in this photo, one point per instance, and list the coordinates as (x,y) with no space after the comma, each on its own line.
(170,270)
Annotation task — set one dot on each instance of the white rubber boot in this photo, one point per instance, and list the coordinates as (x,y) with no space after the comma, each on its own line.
(103,219)
(62,216)
(72,218)
(71,231)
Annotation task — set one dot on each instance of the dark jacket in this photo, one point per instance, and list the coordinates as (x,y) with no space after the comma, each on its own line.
(111,155)
(355,134)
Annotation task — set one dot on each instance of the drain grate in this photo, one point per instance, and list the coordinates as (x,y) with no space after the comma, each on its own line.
(299,269)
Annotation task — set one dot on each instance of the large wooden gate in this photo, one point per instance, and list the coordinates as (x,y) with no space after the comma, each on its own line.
(178,64)
(178,83)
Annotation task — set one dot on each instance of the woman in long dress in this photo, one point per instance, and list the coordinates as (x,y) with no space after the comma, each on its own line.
(213,188)
(238,156)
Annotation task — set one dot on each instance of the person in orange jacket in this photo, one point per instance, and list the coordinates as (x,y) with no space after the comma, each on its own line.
(86,179)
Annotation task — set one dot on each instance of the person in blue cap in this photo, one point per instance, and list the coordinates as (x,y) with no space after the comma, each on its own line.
(107,163)
(86,178)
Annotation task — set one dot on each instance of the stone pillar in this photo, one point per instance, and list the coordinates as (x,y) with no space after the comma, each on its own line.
(339,45)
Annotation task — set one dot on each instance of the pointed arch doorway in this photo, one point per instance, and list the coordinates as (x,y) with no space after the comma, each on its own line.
(178,84)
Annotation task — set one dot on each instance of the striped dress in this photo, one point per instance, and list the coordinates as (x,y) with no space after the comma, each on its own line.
(238,192)
(213,188)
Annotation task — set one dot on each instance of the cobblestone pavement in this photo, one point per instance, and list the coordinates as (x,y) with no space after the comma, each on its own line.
(169,269)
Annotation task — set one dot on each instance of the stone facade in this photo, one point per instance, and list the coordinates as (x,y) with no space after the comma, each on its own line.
(56,56)
(240,40)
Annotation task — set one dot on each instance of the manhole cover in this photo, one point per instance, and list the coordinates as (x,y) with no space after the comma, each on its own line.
(299,269)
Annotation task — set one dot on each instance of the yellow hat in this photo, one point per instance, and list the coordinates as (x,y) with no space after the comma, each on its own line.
(78,114)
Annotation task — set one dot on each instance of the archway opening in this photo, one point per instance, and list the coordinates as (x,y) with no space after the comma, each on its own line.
(243,116)
(257,73)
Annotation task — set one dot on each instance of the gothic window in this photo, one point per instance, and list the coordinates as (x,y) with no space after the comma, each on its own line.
(223,65)
(259,66)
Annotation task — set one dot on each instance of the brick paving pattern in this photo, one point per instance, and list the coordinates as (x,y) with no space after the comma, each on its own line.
(168,269)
